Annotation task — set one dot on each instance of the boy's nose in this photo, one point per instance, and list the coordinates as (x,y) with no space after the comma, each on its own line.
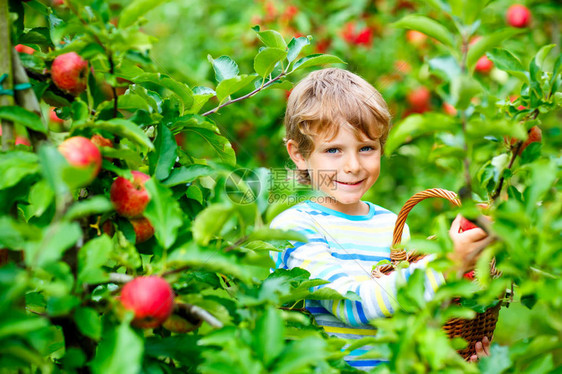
(351,164)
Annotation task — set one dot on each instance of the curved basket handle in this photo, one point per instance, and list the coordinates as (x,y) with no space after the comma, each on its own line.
(400,254)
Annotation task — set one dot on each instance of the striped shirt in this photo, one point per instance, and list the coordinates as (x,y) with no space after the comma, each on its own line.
(343,249)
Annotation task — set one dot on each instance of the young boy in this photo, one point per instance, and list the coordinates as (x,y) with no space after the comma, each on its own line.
(336,128)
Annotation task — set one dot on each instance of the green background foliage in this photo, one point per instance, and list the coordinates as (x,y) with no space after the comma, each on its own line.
(202,88)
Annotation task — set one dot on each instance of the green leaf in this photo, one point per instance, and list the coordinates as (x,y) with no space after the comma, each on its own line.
(16,165)
(41,195)
(164,213)
(91,259)
(194,192)
(57,238)
(266,233)
(224,66)
(315,60)
(221,144)
(295,47)
(88,322)
(272,39)
(209,222)
(23,117)
(120,350)
(267,58)
(85,208)
(506,61)
(14,234)
(463,89)
(486,43)
(135,10)
(186,174)
(52,165)
(478,127)
(37,35)
(416,125)
(542,54)
(497,362)
(427,26)
(125,128)
(200,97)
(229,86)
(446,65)
(164,156)
(269,336)
(300,355)
(180,89)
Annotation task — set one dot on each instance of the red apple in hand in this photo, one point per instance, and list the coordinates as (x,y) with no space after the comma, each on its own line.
(466,225)
(130,197)
(70,73)
(518,15)
(150,298)
(143,229)
(81,153)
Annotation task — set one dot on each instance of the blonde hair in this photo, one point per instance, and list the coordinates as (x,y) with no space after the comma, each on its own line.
(330,98)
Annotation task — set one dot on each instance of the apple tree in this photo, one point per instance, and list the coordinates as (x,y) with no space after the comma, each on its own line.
(124,247)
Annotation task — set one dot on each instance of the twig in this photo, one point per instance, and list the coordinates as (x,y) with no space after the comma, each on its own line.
(26,98)
(515,152)
(245,96)
(200,313)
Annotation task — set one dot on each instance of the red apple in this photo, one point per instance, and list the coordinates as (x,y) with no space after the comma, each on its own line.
(469,275)
(449,109)
(466,225)
(21,140)
(70,73)
(415,37)
(81,153)
(130,197)
(534,135)
(150,298)
(419,99)
(484,65)
(518,15)
(143,229)
(100,141)
(108,228)
(364,37)
(24,49)
(53,116)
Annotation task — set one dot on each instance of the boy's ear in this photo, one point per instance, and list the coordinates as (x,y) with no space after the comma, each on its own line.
(296,156)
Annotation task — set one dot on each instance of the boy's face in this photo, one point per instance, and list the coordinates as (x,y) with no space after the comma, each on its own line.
(343,168)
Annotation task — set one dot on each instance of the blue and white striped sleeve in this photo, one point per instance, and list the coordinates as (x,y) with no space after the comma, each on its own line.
(378,296)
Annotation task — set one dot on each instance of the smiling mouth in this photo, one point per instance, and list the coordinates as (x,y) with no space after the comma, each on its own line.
(350,183)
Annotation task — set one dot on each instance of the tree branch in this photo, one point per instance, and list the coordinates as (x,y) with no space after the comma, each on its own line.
(6,68)
(245,96)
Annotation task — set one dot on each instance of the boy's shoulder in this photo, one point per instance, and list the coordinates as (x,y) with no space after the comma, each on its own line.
(303,212)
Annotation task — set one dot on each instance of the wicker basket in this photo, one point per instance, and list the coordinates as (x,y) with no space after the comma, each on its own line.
(473,330)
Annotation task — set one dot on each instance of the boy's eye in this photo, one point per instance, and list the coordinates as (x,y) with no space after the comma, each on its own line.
(332,150)
(366,148)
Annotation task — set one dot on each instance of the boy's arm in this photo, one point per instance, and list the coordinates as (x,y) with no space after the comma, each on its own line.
(378,296)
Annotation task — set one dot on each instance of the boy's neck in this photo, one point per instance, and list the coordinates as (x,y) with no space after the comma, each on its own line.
(360,208)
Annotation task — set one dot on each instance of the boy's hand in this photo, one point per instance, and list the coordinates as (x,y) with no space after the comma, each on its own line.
(482,350)
(467,244)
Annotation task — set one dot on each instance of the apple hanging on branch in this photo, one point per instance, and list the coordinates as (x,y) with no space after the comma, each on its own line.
(151,299)
(81,153)
(70,73)
(130,198)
